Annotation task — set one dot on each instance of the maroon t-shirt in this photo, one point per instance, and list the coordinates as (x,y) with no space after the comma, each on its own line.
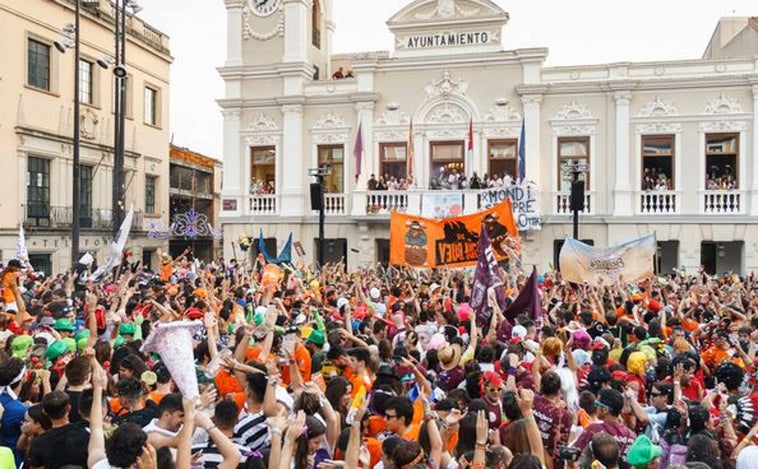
(554,423)
(494,414)
(452,378)
(623,435)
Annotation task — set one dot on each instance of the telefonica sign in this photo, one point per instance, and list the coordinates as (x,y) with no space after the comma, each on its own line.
(447,39)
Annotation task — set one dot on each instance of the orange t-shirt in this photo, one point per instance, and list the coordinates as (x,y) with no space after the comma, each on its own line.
(166,271)
(713,357)
(156,396)
(9,278)
(357,381)
(303,361)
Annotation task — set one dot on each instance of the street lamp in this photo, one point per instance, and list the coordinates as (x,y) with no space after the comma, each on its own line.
(67,43)
(571,171)
(320,173)
(120,72)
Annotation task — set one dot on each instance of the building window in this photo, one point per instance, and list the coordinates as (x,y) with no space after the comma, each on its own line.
(721,161)
(333,155)
(85,82)
(41,263)
(447,161)
(503,158)
(38,62)
(573,150)
(150,194)
(316,23)
(38,191)
(151,106)
(85,196)
(393,160)
(263,170)
(658,162)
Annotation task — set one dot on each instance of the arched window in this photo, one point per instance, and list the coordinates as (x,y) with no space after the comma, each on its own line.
(316,24)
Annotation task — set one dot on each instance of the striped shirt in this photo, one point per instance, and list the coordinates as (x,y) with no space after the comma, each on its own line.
(212,456)
(251,432)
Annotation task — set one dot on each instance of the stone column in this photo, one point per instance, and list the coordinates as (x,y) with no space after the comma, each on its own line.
(622,205)
(293,162)
(235,187)
(532,107)
(295,31)
(233,32)
(754,159)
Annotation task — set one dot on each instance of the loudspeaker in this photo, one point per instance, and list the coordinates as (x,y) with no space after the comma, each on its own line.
(316,196)
(577,196)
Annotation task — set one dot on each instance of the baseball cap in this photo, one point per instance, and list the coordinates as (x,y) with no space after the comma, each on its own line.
(20,346)
(642,452)
(64,324)
(55,350)
(316,337)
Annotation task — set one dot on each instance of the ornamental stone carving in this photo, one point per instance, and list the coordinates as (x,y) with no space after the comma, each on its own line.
(393,117)
(502,114)
(390,136)
(574,130)
(446,113)
(447,9)
(723,126)
(723,105)
(502,131)
(446,87)
(573,111)
(658,108)
(88,125)
(659,128)
(249,33)
(263,140)
(329,121)
(262,123)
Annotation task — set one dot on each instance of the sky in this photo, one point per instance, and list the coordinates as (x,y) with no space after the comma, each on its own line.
(575,32)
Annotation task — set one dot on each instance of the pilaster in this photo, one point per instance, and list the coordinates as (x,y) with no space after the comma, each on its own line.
(295,31)
(623,190)
(235,187)
(233,32)
(754,152)
(293,186)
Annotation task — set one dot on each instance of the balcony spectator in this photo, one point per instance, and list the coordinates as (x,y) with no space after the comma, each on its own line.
(260,187)
(372,183)
(350,73)
(475,182)
(381,185)
(339,74)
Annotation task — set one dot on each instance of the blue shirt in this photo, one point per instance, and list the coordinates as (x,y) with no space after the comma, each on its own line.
(13,417)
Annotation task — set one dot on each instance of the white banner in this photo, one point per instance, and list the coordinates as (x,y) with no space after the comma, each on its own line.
(627,262)
(117,248)
(22,254)
(525,200)
(441,205)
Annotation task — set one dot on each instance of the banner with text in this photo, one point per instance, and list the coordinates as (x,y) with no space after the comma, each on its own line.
(525,199)
(629,261)
(426,242)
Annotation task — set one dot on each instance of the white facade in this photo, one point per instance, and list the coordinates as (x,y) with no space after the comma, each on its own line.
(671,146)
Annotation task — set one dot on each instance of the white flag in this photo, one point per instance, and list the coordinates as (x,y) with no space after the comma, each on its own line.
(629,261)
(21,252)
(117,248)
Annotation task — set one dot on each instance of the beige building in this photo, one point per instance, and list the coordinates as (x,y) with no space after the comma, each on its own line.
(670,147)
(195,201)
(36,130)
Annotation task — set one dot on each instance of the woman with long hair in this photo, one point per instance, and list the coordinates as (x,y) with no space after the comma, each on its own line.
(36,422)
(310,448)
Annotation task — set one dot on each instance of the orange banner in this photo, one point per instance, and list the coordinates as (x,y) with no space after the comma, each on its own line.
(426,242)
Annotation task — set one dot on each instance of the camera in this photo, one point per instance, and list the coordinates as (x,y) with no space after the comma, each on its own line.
(567,453)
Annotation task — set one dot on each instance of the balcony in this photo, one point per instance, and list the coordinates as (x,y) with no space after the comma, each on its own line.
(722,202)
(60,218)
(658,202)
(263,204)
(385,202)
(335,204)
(562,203)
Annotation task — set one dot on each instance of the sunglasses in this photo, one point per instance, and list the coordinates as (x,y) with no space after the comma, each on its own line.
(390,416)
(492,389)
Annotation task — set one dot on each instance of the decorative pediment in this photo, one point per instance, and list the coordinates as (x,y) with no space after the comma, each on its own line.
(329,121)
(446,87)
(447,11)
(502,114)
(393,117)
(572,112)
(262,123)
(723,105)
(658,108)
(446,113)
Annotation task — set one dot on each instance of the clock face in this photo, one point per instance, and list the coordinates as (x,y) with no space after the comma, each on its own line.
(264,7)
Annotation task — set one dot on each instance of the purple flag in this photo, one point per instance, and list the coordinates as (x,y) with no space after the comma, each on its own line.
(485,277)
(358,151)
(527,302)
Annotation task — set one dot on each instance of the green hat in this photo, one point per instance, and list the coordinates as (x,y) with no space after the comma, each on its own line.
(119,342)
(642,452)
(70,343)
(83,334)
(20,345)
(64,324)
(127,329)
(258,319)
(316,337)
(55,350)
(82,343)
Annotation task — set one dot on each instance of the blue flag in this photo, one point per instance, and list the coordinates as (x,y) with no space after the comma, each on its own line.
(522,153)
(285,257)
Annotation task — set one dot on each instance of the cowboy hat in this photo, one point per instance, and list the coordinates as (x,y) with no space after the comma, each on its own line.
(449,356)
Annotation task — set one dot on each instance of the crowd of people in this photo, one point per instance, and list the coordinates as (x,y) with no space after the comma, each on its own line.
(446,180)
(261,187)
(375,368)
